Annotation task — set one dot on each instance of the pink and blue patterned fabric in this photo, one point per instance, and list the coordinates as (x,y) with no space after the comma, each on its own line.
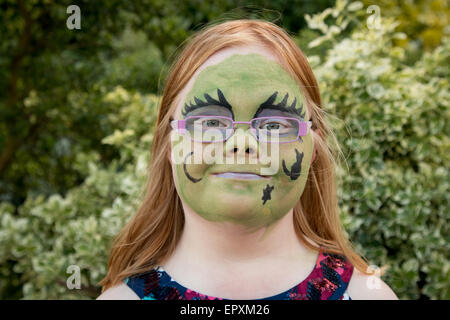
(327,281)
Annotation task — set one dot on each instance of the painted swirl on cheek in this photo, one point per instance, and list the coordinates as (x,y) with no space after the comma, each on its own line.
(266,193)
(185,169)
(295,168)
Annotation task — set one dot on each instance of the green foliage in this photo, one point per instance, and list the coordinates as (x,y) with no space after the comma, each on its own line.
(50,94)
(424,22)
(84,172)
(391,121)
(137,64)
(50,234)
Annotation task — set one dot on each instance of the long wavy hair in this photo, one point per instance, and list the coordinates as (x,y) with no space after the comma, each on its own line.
(153,232)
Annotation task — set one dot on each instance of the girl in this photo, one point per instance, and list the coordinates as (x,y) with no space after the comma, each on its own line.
(241,197)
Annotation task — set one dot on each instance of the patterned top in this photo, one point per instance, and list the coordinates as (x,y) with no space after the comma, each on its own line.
(327,281)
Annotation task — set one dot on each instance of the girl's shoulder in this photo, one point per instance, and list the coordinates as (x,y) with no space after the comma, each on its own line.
(119,292)
(369,287)
(359,286)
(333,277)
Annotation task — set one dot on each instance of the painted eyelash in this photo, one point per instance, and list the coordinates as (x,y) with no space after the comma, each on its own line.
(209,101)
(269,103)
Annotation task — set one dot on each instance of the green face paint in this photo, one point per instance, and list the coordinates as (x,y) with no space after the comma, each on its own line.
(238,87)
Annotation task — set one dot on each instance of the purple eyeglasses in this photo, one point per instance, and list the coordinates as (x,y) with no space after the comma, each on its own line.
(211,128)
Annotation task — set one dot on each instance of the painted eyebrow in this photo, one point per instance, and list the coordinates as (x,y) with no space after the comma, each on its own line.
(282,106)
(210,101)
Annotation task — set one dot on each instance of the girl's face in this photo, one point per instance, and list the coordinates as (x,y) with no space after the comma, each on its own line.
(242,87)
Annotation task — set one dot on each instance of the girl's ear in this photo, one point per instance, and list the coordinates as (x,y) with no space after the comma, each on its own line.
(319,133)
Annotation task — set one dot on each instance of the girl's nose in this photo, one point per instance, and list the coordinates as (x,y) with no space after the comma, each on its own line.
(241,144)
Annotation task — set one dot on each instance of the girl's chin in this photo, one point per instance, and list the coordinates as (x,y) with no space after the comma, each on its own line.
(245,219)
(239,211)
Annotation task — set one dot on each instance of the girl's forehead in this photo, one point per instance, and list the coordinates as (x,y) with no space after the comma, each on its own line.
(245,78)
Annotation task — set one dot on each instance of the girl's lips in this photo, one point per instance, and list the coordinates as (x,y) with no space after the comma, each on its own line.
(240,175)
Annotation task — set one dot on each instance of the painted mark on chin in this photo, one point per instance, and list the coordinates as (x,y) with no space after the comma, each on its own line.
(296,168)
(194,180)
(266,193)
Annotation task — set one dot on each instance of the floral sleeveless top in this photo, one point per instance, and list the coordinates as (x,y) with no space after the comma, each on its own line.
(327,281)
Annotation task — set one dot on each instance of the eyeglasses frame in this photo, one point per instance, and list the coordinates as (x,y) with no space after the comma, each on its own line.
(180,127)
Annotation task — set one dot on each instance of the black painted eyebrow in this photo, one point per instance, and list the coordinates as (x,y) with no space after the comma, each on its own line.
(210,101)
(282,106)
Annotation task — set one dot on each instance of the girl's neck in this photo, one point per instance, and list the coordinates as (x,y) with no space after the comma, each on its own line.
(224,260)
(223,245)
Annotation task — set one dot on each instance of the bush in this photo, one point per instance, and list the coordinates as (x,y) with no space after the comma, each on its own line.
(51,234)
(389,119)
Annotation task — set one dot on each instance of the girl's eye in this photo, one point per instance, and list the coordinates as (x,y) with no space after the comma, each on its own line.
(214,123)
(272,126)
(208,123)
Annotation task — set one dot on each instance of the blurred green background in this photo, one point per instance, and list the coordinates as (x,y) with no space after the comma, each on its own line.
(78,108)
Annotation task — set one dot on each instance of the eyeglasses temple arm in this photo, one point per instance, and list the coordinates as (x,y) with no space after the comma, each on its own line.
(178,125)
